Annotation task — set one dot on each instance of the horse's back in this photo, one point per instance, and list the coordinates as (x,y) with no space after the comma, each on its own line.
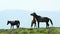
(42,19)
(17,21)
(14,22)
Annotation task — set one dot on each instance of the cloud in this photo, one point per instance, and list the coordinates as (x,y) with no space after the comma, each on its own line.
(40,5)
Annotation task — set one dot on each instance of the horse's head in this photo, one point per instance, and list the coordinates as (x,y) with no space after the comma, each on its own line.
(8,22)
(33,14)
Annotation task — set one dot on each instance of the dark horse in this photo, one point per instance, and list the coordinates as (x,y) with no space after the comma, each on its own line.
(33,22)
(15,22)
(42,19)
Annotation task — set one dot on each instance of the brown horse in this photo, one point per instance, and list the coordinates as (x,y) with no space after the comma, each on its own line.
(33,22)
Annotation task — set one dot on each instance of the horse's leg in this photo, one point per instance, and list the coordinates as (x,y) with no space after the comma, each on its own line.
(31,24)
(47,24)
(35,25)
(17,26)
(38,24)
(11,27)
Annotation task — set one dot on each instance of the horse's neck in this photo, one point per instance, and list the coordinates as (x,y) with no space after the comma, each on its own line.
(38,17)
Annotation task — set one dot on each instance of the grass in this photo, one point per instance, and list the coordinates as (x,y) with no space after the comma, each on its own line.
(54,30)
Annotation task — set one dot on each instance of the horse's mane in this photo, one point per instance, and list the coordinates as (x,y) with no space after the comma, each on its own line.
(38,16)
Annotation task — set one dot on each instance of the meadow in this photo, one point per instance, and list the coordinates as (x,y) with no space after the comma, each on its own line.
(51,30)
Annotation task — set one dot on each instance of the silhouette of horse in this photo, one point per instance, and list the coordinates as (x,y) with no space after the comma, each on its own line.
(33,22)
(42,19)
(12,23)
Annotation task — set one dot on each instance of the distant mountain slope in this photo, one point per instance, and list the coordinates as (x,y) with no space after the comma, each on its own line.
(21,15)
(25,18)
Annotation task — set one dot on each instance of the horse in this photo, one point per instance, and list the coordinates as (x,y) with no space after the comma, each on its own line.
(14,22)
(33,22)
(42,19)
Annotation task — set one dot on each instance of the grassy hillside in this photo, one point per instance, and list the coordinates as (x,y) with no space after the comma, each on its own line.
(31,31)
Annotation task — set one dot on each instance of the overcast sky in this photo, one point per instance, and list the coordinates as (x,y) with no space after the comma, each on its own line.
(31,5)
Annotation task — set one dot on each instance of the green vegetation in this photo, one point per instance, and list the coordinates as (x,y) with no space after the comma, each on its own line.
(51,30)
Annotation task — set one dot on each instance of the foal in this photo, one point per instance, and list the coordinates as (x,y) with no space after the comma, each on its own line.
(33,22)
(15,22)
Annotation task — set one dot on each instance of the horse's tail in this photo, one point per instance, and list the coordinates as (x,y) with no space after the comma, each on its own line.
(51,21)
(19,23)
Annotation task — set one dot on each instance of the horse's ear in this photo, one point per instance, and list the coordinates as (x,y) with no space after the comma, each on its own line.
(33,12)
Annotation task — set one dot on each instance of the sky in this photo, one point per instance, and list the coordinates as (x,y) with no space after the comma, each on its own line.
(30,4)
(21,10)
